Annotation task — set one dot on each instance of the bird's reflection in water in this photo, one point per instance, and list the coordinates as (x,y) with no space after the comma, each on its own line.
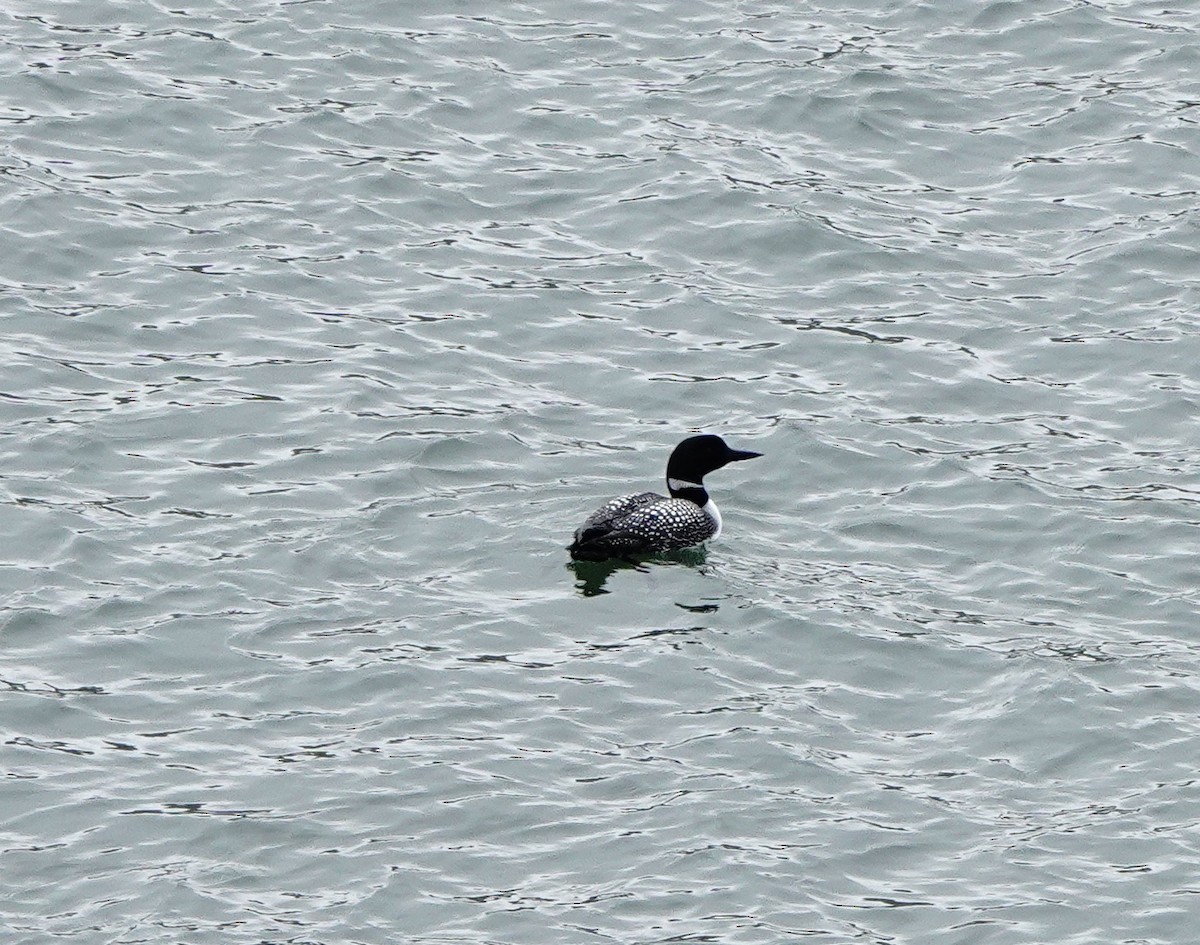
(591,576)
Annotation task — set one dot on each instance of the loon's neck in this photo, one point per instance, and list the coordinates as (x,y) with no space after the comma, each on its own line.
(685,489)
(695,492)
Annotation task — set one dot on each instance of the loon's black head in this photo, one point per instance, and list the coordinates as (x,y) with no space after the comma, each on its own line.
(697,456)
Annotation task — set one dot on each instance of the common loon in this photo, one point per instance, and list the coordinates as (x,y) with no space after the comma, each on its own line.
(645,522)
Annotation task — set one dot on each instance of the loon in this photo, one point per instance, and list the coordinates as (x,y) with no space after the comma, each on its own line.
(645,522)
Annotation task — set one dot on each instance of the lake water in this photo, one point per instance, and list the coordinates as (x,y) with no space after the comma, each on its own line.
(325,324)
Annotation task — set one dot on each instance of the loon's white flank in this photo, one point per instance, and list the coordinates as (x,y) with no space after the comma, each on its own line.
(710,509)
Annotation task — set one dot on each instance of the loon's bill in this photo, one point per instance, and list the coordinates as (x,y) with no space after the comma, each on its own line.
(647,523)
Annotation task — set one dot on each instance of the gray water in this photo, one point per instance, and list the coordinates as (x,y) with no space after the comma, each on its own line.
(325,324)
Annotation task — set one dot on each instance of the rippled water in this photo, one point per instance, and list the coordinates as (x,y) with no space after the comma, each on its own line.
(325,325)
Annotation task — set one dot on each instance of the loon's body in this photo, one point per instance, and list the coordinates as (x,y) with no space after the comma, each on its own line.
(647,523)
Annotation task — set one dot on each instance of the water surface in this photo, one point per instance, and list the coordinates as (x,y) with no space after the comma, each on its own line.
(327,323)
